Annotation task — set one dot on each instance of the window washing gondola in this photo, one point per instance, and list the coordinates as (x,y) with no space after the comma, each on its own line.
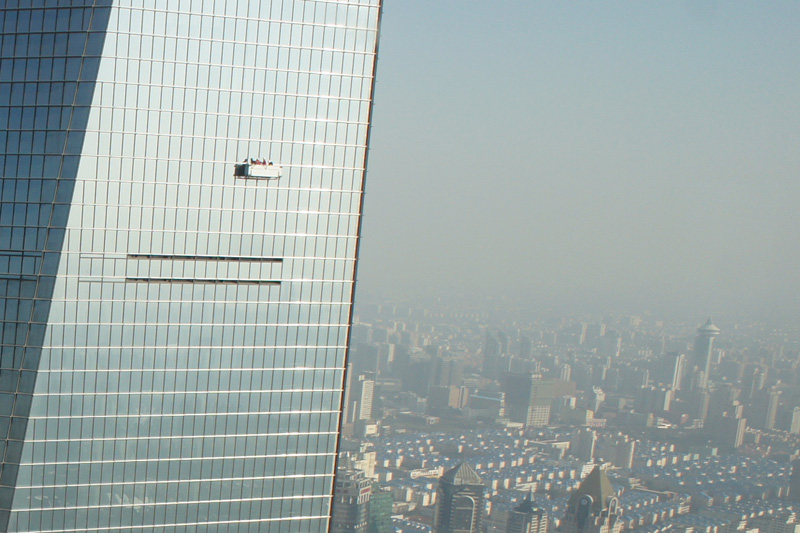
(257,169)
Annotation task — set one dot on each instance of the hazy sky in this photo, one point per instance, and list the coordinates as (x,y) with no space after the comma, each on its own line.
(616,154)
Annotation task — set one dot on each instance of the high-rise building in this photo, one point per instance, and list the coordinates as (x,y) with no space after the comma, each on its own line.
(594,507)
(527,517)
(380,511)
(763,409)
(794,481)
(529,398)
(703,345)
(360,397)
(583,444)
(726,431)
(351,496)
(459,501)
(175,313)
(670,370)
(794,423)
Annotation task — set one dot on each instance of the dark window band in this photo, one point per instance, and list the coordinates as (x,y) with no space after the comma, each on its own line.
(171,257)
(205,281)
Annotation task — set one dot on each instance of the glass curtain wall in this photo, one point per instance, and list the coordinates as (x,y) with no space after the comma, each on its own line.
(174,336)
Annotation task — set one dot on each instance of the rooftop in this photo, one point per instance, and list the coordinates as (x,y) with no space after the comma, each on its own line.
(462,474)
(596,485)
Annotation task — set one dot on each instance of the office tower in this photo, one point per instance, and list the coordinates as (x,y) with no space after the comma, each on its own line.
(703,344)
(794,422)
(726,430)
(610,344)
(174,319)
(459,501)
(525,347)
(380,511)
(358,403)
(771,411)
(505,343)
(595,332)
(440,399)
(446,371)
(671,369)
(583,444)
(351,496)
(794,481)
(582,335)
(762,411)
(360,393)
(723,398)
(529,398)
(626,453)
(654,399)
(527,517)
(593,508)
(698,404)
(753,381)
(493,357)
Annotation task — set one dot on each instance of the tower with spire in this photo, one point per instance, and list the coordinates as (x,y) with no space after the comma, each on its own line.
(460,499)
(594,507)
(702,349)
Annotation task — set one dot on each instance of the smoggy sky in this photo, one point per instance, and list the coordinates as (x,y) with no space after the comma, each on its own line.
(636,155)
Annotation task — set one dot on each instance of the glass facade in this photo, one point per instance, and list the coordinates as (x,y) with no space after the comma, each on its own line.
(174,336)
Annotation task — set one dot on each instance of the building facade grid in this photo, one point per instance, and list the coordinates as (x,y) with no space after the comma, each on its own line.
(173,338)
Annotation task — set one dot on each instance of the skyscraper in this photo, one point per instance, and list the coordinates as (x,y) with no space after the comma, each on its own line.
(459,501)
(703,344)
(174,326)
(670,369)
(794,481)
(529,398)
(351,494)
(593,508)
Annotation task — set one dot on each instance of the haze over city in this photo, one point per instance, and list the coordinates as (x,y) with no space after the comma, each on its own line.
(624,156)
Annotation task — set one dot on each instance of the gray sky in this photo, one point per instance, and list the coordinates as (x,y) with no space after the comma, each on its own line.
(600,154)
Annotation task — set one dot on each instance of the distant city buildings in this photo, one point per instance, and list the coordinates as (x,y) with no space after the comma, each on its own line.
(531,408)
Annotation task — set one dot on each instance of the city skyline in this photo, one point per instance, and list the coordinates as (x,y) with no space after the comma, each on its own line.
(571,422)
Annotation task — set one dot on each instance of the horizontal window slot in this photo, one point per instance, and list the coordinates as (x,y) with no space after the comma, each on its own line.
(18,277)
(205,281)
(18,253)
(169,257)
